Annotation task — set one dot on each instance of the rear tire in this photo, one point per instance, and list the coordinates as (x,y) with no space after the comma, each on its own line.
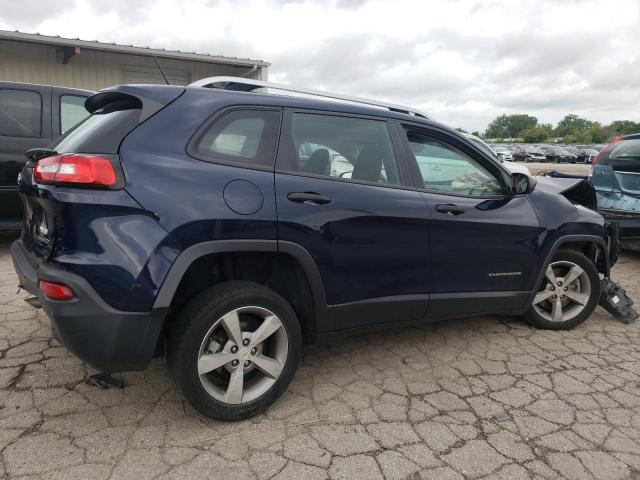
(234,349)
(569,292)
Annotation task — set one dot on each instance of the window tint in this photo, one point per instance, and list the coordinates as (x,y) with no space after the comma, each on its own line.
(101,132)
(241,136)
(626,150)
(446,169)
(344,148)
(20,113)
(72,111)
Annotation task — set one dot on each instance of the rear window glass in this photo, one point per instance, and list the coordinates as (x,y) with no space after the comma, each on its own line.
(72,111)
(101,132)
(627,149)
(20,113)
(246,137)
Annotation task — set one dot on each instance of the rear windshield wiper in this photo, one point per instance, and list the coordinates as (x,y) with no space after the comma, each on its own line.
(36,154)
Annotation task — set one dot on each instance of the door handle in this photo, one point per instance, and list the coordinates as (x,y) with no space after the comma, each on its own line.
(449,208)
(310,198)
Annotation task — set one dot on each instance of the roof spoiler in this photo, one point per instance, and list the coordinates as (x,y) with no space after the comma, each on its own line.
(148,98)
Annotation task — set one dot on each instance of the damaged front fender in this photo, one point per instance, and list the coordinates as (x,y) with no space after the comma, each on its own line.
(576,189)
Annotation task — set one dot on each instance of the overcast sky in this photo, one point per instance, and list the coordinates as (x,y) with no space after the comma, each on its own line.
(462,62)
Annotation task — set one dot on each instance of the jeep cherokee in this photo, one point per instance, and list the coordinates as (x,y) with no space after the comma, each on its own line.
(221,225)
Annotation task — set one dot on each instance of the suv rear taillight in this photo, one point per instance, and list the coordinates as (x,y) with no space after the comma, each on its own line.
(56,291)
(76,170)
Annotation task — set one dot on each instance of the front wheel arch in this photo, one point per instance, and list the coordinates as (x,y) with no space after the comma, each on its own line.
(593,247)
(562,306)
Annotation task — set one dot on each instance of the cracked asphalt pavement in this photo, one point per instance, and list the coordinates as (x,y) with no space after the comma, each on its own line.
(484,397)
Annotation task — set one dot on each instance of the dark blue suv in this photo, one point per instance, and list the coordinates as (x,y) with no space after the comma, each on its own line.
(221,226)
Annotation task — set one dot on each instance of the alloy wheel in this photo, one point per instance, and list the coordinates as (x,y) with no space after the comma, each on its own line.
(565,292)
(242,355)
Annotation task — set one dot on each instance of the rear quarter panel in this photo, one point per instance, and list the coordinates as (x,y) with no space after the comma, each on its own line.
(186,194)
(104,236)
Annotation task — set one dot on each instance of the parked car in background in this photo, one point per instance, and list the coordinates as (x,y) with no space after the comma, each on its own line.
(528,153)
(566,156)
(589,154)
(615,175)
(228,240)
(550,153)
(579,154)
(30,116)
(557,154)
(504,152)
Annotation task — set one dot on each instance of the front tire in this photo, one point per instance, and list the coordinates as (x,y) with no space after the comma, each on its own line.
(234,349)
(569,292)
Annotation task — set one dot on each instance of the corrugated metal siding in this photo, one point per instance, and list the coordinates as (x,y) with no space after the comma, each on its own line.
(145,74)
(93,70)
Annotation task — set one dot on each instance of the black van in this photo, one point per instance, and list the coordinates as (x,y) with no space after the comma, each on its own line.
(30,116)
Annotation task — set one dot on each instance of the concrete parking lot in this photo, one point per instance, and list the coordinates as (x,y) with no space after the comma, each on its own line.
(483,397)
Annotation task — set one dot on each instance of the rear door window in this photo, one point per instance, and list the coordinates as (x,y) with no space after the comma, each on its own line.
(72,111)
(20,113)
(240,137)
(344,148)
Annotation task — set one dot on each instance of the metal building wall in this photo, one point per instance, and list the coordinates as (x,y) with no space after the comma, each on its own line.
(94,69)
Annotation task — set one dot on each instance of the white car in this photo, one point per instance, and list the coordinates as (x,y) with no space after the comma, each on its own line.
(513,167)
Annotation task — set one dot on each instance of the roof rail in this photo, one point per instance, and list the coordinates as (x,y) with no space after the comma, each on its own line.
(247,85)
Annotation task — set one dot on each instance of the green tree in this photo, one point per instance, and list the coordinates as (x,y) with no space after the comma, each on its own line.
(625,127)
(548,127)
(476,133)
(592,134)
(510,126)
(534,135)
(570,123)
(498,128)
(462,130)
(607,133)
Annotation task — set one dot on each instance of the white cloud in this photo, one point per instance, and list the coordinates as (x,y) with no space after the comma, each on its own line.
(463,61)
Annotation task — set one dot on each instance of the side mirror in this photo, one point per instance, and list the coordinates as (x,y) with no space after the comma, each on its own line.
(522,183)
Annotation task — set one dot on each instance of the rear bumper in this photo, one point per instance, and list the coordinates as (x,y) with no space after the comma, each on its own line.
(109,340)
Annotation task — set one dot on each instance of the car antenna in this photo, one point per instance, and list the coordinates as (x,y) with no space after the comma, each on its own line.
(161,71)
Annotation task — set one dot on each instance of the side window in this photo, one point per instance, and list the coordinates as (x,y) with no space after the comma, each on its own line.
(446,169)
(246,137)
(72,111)
(343,148)
(20,113)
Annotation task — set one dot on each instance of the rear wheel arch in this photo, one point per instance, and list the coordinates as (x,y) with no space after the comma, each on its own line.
(285,267)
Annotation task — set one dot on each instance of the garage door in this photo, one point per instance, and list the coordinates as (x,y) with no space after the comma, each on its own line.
(142,74)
